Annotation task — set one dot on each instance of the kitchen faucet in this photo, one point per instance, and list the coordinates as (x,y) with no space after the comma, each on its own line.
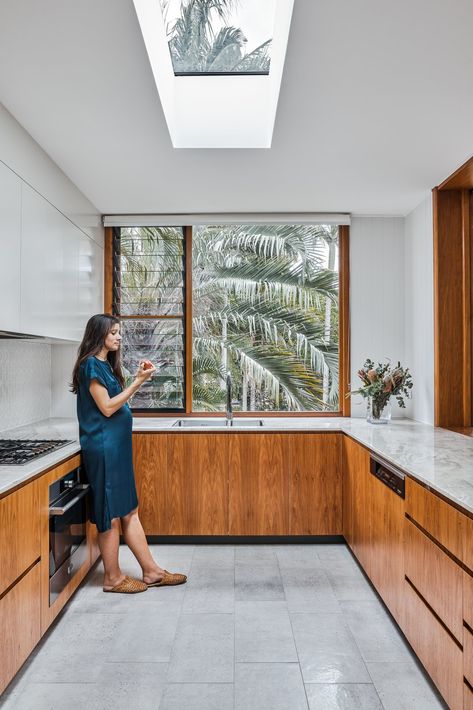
(229,411)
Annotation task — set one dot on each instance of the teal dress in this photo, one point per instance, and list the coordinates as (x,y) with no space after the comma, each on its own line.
(106,447)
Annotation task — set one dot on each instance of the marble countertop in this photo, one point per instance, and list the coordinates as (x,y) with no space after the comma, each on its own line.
(441,459)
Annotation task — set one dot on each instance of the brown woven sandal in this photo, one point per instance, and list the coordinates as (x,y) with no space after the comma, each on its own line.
(169,579)
(128,586)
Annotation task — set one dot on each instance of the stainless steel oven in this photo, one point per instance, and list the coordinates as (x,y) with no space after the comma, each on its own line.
(68,514)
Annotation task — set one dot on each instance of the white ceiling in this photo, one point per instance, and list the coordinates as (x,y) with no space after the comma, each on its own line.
(376,107)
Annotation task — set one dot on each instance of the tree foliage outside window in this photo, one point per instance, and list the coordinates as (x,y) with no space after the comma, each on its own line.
(265,309)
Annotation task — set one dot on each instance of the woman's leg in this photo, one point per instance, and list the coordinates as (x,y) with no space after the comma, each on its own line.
(135,538)
(108,543)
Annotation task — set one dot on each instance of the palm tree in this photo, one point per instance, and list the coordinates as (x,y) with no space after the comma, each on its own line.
(196,48)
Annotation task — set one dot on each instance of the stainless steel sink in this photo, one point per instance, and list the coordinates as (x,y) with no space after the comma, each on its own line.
(220,423)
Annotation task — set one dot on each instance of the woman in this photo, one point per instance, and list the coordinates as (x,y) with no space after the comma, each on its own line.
(105,426)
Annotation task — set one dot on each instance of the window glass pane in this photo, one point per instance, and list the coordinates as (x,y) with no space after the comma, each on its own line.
(149,271)
(221,36)
(265,308)
(162,342)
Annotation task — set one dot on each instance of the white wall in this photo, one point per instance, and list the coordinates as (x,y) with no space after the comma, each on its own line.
(377,284)
(419,310)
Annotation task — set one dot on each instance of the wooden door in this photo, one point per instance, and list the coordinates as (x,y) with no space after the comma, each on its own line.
(258,484)
(150,464)
(197,484)
(315,484)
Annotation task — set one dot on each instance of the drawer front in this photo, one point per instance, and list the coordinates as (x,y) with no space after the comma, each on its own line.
(468,599)
(468,655)
(441,520)
(20,624)
(19,533)
(438,652)
(467,698)
(437,577)
(469,543)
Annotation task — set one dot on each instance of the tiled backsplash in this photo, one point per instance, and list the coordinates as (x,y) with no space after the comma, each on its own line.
(34,381)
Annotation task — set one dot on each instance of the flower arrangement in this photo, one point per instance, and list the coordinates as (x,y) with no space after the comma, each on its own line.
(383,382)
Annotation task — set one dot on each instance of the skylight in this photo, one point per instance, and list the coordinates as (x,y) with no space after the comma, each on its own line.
(219,36)
(232,108)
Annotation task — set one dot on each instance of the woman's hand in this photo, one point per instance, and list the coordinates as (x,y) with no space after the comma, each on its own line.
(145,371)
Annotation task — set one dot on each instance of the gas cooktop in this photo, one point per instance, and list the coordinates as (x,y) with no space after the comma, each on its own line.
(19,451)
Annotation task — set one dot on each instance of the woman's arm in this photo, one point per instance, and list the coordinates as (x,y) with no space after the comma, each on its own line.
(109,405)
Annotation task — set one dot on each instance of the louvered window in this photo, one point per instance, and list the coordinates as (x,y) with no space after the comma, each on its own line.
(149,299)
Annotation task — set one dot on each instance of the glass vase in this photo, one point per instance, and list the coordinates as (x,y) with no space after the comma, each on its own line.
(378,411)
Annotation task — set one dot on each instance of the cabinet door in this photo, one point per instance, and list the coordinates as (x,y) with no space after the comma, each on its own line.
(150,464)
(315,484)
(19,533)
(20,624)
(387,548)
(258,484)
(356,463)
(10,244)
(197,485)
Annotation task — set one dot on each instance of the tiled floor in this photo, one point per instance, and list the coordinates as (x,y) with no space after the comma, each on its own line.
(257,627)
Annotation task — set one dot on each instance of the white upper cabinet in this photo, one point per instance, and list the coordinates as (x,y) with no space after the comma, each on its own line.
(10,235)
(61,279)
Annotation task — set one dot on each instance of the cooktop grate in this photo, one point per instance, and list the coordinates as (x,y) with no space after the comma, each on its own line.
(20,451)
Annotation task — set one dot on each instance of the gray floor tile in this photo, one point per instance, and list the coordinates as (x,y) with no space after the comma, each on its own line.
(348,581)
(327,651)
(297,556)
(258,581)
(145,637)
(308,590)
(335,552)
(403,686)
(210,557)
(375,633)
(203,650)
(263,633)
(269,686)
(334,696)
(197,696)
(255,554)
(210,591)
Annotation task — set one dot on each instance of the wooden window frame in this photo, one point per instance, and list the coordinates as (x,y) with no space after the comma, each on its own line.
(344,331)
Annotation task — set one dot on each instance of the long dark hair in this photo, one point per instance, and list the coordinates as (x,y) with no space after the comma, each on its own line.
(96,330)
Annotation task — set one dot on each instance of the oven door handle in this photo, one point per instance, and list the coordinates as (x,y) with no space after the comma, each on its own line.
(60,511)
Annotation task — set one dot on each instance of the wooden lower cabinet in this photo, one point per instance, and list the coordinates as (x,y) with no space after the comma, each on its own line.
(315,484)
(468,598)
(19,533)
(467,697)
(386,510)
(356,497)
(436,576)
(468,654)
(20,623)
(258,468)
(197,488)
(150,464)
(441,656)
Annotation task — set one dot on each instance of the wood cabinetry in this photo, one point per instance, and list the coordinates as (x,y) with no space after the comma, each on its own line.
(315,484)
(356,498)
(239,483)
(20,623)
(258,484)
(436,576)
(467,697)
(387,544)
(440,654)
(19,533)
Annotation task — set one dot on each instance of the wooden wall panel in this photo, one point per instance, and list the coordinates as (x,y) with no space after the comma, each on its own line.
(197,484)
(315,484)
(20,623)
(150,464)
(19,533)
(258,484)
